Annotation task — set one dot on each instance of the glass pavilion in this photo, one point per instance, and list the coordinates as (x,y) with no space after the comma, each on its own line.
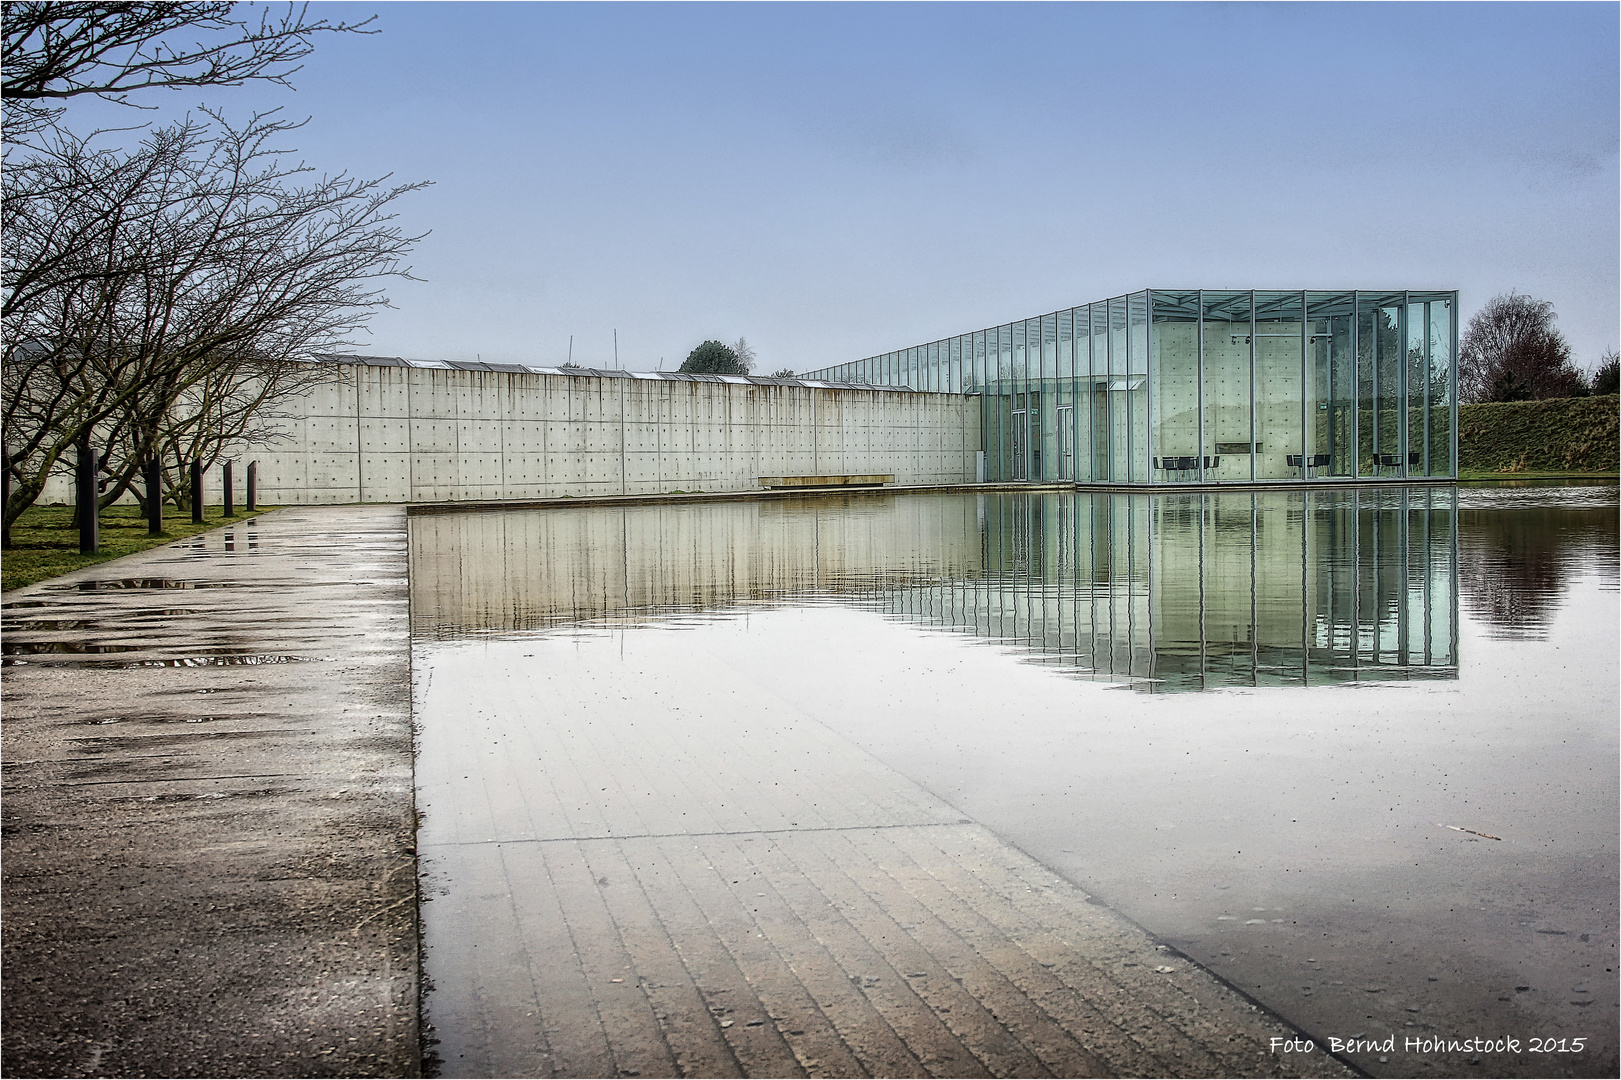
(1205,386)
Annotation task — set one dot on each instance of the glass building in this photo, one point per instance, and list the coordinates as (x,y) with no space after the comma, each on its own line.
(1205,386)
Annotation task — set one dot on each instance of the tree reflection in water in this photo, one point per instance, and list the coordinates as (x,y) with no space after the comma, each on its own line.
(1520,547)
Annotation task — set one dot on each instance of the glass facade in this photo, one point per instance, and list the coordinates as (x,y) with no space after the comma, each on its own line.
(1169,386)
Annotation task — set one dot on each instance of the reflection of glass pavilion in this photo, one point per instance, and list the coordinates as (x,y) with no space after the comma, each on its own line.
(1179,386)
(1197,590)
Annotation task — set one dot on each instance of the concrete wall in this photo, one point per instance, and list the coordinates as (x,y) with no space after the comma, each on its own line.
(399,434)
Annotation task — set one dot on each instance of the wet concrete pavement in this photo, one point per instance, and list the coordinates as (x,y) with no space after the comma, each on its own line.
(645,869)
(209,863)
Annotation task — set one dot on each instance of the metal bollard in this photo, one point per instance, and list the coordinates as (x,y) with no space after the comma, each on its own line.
(154,496)
(196,491)
(87,496)
(228,498)
(253,486)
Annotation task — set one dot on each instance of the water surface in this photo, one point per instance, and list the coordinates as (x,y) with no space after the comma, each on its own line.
(1356,752)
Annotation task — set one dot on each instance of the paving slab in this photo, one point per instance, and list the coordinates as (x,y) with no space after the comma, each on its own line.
(208,845)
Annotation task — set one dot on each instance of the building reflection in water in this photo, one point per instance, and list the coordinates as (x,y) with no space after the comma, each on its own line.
(1164,591)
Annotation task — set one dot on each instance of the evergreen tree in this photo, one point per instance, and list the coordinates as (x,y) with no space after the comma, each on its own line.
(713,358)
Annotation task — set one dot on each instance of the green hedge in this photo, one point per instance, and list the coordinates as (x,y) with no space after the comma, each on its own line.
(1569,434)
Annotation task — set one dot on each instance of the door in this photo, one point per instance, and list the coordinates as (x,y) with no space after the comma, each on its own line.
(1100,430)
(1066,442)
(1034,434)
(1021,431)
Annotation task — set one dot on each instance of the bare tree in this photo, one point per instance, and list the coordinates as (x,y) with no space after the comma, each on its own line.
(55,51)
(745,355)
(163,300)
(1607,377)
(1511,351)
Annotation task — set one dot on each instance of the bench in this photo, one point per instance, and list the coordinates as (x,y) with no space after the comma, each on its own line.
(845,480)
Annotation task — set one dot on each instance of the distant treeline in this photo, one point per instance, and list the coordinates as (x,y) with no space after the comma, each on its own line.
(1557,434)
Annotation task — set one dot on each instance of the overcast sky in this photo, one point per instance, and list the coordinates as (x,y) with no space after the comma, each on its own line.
(835,181)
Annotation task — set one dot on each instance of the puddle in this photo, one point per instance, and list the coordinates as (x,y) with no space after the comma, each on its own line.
(94,744)
(253,793)
(17,626)
(45,649)
(224,661)
(139,583)
(173,718)
(36,648)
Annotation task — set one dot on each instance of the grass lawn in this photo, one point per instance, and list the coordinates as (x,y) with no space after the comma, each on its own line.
(44,542)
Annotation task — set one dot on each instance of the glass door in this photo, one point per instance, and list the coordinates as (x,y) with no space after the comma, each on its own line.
(1066,442)
(1034,434)
(1100,430)
(1020,430)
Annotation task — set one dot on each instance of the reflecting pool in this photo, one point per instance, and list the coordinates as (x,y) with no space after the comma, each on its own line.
(1353,751)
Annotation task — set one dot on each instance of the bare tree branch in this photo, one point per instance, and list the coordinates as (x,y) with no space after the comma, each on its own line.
(54,51)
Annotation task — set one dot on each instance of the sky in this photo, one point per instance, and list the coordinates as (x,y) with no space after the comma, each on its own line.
(835,181)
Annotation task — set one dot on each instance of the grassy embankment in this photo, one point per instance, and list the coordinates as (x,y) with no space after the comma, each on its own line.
(45,543)
(1563,437)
